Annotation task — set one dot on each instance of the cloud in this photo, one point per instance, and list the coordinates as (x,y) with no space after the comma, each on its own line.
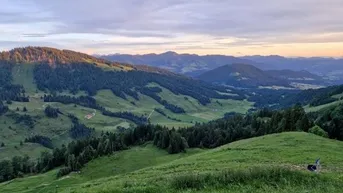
(171,22)
(8,45)
(35,35)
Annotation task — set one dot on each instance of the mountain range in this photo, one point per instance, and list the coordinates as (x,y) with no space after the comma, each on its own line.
(193,65)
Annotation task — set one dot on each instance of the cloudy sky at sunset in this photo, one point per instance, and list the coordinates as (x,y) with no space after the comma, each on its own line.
(231,27)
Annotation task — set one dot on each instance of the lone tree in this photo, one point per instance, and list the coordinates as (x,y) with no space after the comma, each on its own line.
(51,112)
(24,109)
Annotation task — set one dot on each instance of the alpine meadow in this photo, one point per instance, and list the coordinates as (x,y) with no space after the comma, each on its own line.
(171,96)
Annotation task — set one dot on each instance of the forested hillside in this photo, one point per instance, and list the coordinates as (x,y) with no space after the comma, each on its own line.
(52,56)
(242,75)
(88,78)
(44,90)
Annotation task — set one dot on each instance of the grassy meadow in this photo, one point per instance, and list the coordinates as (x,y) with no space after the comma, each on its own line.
(272,163)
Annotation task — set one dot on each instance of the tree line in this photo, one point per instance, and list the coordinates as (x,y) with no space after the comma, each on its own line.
(237,127)
(331,121)
(44,141)
(77,153)
(152,92)
(278,99)
(90,102)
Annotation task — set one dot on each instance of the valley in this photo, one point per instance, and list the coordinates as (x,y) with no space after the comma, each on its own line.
(83,124)
(171,96)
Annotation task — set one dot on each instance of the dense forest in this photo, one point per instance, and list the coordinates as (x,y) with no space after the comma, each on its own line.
(331,120)
(44,141)
(278,99)
(236,127)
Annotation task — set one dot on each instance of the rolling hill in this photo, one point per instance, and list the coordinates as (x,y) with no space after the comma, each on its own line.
(103,95)
(52,56)
(241,75)
(245,75)
(330,68)
(274,163)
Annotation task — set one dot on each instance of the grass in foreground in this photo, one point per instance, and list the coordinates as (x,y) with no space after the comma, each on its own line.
(272,163)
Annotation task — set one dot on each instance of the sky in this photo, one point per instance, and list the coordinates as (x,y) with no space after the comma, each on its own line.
(229,27)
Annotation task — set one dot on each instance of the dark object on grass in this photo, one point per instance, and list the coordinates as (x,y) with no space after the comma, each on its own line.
(312,168)
(315,167)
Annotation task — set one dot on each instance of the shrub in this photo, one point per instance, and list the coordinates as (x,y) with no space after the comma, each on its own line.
(318,131)
(63,171)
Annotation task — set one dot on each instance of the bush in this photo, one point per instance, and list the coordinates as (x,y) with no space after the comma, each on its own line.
(63,171)
(318,131)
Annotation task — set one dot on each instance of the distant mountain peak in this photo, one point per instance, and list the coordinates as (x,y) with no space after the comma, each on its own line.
(170,53)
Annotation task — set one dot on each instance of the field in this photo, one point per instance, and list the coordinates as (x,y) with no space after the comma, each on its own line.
(272,163)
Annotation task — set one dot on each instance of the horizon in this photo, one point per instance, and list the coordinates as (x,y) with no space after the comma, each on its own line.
(195,27)
(179,53)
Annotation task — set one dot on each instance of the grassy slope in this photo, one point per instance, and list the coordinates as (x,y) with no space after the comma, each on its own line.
(143,169)
(328,105)
(13,133)
(23,75)
(195,112)
(121,163)
(9,151)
